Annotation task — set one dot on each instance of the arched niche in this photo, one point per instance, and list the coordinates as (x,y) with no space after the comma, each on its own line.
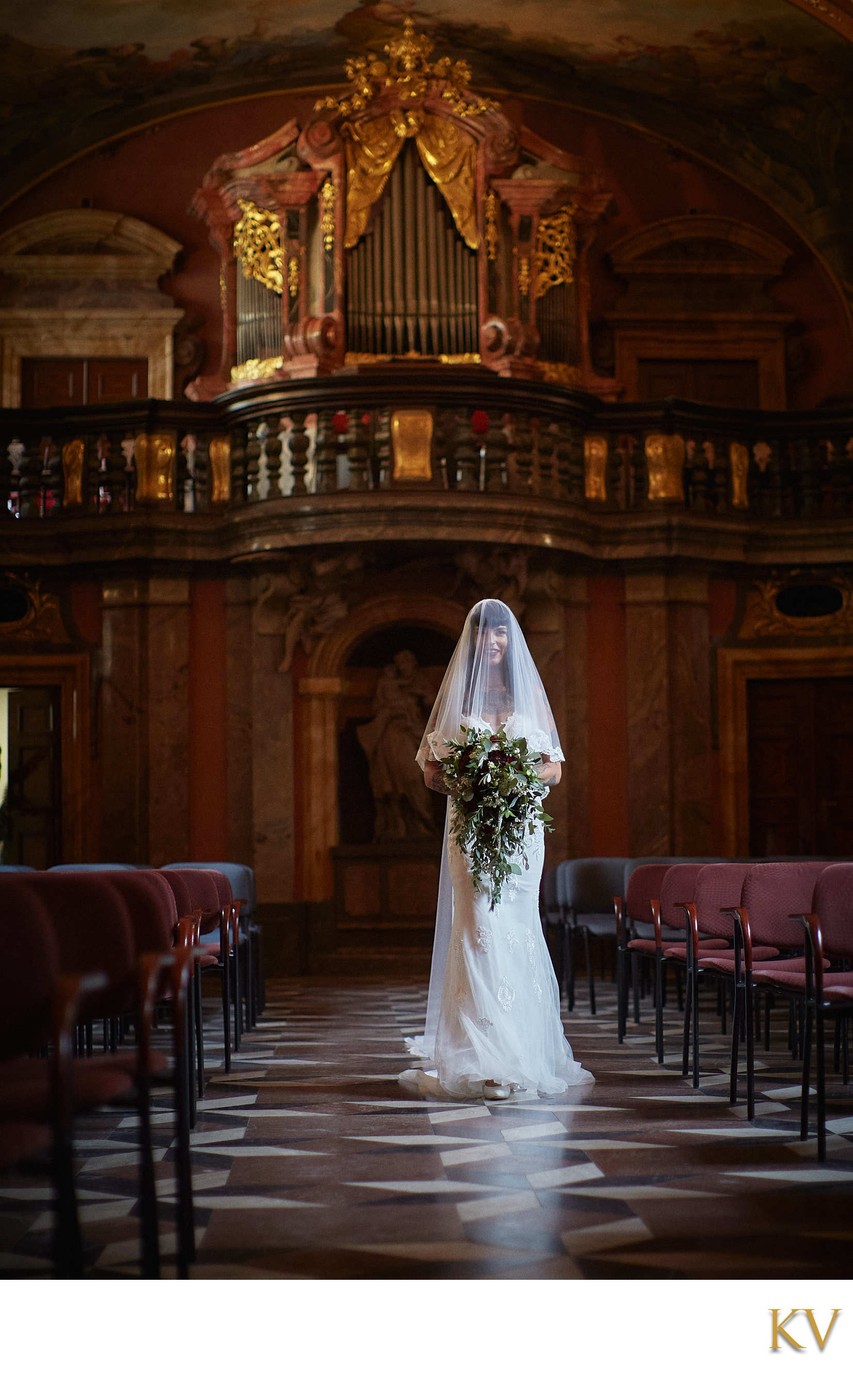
(698,289)
(83,283)
(321,691)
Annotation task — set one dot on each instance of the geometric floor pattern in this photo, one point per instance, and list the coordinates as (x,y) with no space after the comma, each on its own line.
(312,1162)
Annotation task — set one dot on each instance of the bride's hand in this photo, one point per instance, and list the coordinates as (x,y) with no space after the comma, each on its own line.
(549,772)
(434,778)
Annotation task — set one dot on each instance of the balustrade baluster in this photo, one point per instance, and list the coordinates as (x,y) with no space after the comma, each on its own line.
(128,482)
(298,454)
(359,452)
(382,445)
(840,467)
(696,473)
(327,454)
(445,444)
(238,464)
(719,479)
(254,443)
(545,446)
(563,465)
(496,453)
(467,457)
(523,454)
(29,483)
(201,473)
(51,480)
(807,462)
(11,491)
(272,450)
(116,477)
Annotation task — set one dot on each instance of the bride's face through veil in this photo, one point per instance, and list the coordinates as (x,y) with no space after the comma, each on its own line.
(489,669)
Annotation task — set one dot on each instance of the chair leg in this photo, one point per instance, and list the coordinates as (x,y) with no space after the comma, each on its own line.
(737,997)
(621,993)
(688,1018)
(147,1189)
(635,983)
(590,975)
(198,1017)
(226,1010)
(820,1072)
(804,1094)
(659,1008)
(68,1239)
(750,1051)
(694,981)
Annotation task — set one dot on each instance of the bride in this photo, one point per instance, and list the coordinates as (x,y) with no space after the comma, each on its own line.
(493,1023)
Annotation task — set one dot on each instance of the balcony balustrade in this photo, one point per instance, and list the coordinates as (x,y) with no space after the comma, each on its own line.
(373,439)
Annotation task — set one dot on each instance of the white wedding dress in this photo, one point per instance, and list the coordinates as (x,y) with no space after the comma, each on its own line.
(500,1008)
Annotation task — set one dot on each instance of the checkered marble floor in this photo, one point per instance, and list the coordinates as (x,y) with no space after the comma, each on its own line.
(312,1162)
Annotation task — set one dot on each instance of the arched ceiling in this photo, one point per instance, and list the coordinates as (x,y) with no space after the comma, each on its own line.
(759,88)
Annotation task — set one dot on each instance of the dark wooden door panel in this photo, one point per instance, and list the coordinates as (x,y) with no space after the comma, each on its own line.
(801,766)
(722,383)
(117,381)
(49,383)
(33,809)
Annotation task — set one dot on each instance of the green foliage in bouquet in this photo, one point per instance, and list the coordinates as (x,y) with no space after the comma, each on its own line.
(497,802)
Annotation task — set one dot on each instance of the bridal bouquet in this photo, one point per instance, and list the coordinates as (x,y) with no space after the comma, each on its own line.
(497,802)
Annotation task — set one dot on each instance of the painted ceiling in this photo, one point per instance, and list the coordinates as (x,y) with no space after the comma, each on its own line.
(759,88)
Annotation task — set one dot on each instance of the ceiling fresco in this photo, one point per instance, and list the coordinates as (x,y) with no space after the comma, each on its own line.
(760,88)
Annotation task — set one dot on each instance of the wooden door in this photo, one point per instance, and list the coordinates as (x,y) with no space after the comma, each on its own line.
(33,824)
(800,766)
(55,381)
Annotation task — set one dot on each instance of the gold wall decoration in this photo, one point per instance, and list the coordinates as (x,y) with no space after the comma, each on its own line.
(293,276)
(555,252)
(257,369)
(665,466)
(407,74)
(366,357)
(154,453)
(491,232)
(449,155)
(327,215)
(595,467)
(411,438)
(219,450)
(73,457)
(524,275)
(41,621)
(257,244)
(739,467)
(556,372)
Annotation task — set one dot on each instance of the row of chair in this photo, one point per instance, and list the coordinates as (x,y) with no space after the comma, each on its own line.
(781,927)
(112,945)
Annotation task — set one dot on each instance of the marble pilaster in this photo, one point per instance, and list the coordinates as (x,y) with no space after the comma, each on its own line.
(167,673)
(668,680)
(123,733)
(238,718)
(272,749)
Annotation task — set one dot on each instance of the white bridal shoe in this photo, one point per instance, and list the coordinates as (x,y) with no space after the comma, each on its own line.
(491,1089)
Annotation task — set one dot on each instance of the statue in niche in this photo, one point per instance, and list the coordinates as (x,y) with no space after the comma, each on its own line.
(401,704)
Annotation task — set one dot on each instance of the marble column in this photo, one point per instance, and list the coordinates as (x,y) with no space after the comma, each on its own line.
(668,678)
(123,735)
(238,718)
(273,765)
(145,714)
(320,697)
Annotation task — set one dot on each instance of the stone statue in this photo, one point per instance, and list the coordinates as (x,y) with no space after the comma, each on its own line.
(400,706)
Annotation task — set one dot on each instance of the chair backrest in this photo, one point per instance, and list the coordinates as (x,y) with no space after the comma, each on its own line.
(92,867)
(548,893)
(151,907)
(772,892)
(644,886)
(587,886)
(31,967)
(718,886)
(198,889)
(678,885)
(93,932)
(240,876)
(833,904)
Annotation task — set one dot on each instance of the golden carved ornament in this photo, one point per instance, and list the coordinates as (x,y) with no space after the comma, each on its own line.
(257,369)
(524,275)
(154,454)
(763,619)
(595,452)
(257,244)
(327,215)
(491,232)
(365,357)
(556,248)
(408,74)
(411,438)
(447,152)
(219,450)
(42,621)
(293,276)
(665,466)
(73,458)
(556,372)
(739,468)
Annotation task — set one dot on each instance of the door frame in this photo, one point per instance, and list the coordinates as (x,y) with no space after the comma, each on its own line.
(70,671)
(736,667)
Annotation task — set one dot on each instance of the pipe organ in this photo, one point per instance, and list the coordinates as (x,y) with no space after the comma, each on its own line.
(405,220)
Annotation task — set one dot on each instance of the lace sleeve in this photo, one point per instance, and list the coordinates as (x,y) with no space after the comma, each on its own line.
(538,741)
